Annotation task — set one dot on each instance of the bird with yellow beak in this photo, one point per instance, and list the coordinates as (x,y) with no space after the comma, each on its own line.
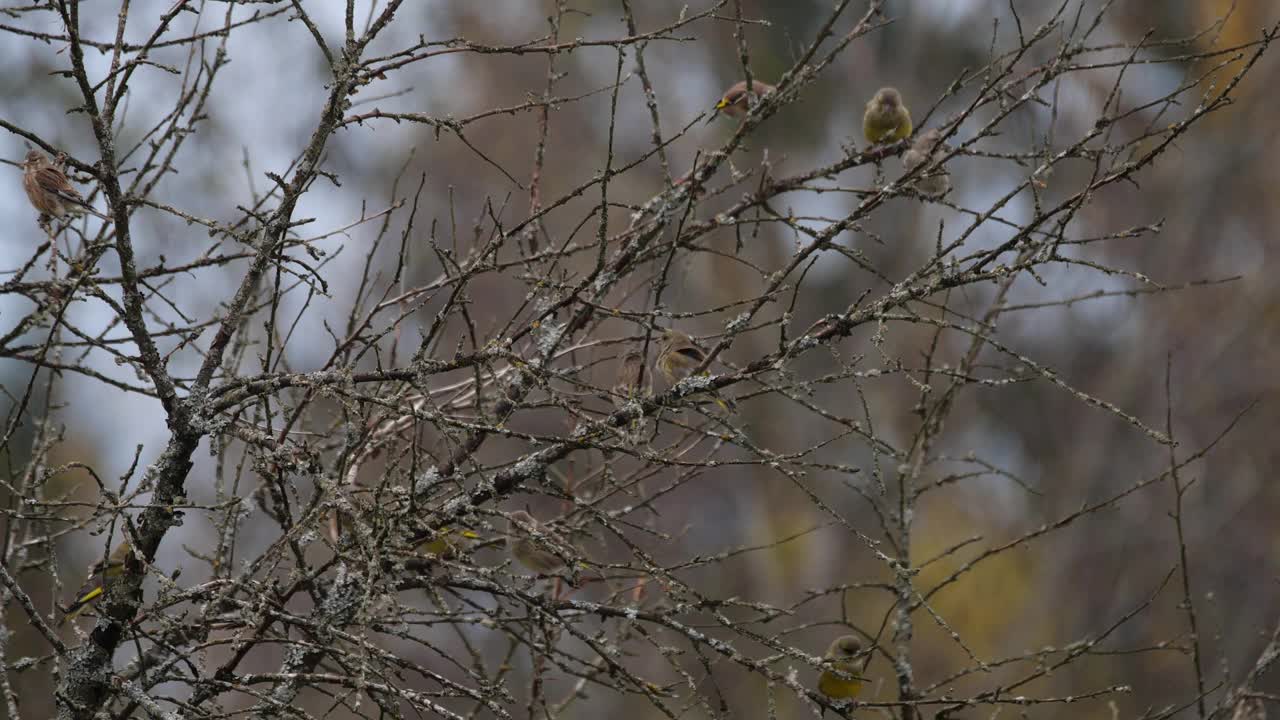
(736,101)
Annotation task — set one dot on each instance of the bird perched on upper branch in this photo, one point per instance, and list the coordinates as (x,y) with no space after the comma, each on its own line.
(887,118)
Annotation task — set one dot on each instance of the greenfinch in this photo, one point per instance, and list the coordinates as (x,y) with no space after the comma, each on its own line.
(677,359)
(887,118)
(840,656)
(100,575)
(735,101)
(445,543)
(936,182)
(532,545)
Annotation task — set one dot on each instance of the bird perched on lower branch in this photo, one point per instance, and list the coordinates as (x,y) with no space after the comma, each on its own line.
(679,356)
(927,148)
(533,545)
(629,385)
(841,680)
(100,576)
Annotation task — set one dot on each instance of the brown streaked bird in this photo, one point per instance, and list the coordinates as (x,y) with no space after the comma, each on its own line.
(529,543)
(49,190)
(841,655)
(887,118)
(736,101)
(679,357)
(936,182)
(630,378)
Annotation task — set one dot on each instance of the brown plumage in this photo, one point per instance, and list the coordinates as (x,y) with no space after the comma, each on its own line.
(529,543)
(1249,708)
(49,190)
(735,101)
(630,378)
(679,357)
(934,183)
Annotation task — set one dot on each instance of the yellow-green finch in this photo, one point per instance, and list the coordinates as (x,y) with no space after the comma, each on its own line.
(734,102)
(933,183)
(840,658)
(886,118)
(678,358)
(445,543)
(529,543)
(99,576)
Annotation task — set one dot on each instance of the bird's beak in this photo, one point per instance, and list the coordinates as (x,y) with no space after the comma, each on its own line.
(715,111)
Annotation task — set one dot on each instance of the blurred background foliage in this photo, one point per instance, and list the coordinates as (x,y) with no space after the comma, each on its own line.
(1214,195)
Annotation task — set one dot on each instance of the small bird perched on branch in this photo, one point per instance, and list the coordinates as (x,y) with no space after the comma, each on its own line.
(445,543)
(936,182)
(735,102)
(50,191)
(678,358)
(100,575)
(533,545)
(841,655)
(630,378)
(887,118)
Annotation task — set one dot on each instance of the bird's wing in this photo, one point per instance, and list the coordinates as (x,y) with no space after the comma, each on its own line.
(691,352)
(50,180)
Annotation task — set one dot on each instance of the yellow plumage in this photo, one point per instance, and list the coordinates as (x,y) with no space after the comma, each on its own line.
(99,576)
(841,655)
(887,118)
(445,543)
